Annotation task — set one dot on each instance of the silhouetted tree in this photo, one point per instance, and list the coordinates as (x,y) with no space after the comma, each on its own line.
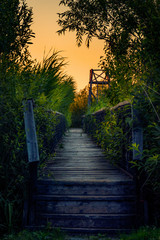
(15,25)
(121,23)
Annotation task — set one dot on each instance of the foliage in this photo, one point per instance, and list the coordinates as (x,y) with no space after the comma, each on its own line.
(130,30)
(16,33)
(46,234)
(21,78)
(103,102)
(47,83)
(149,166)
(15,22)
(111,129)
(13,168)
(115,137)
(145,233)
(120,23)
(79,107)
(43,85)
(148,108)
(50,127)
(103,19)
(49,87)
(150,161)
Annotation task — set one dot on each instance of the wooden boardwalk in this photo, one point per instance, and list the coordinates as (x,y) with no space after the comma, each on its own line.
(85,193)
(78,158)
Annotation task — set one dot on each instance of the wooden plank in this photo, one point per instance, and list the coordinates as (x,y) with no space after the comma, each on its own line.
(81,159)
(30,129)
(89,220)
(85,191)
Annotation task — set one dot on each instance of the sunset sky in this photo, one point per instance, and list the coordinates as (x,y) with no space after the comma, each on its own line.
(80,59)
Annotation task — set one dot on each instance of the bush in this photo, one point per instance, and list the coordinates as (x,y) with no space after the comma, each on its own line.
(54,234)
(15,84)
(110,129)
(145,233)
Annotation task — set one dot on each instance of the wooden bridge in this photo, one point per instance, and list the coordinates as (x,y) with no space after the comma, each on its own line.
(80,191)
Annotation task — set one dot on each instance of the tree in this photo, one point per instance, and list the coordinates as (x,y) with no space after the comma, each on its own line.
(123,24)
(15,25)
(111,20)
(79,107)
(15,35)
(130,29)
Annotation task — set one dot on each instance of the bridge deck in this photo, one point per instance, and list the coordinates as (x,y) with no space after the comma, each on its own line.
(85,193)
(78,158)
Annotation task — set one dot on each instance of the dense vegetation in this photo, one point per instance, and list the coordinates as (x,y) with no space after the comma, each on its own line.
(130,31)
(21,78)
(79,107)
(142,234)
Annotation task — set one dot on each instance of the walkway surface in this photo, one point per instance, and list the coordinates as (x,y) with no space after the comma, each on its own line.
(78,158)
(84,193)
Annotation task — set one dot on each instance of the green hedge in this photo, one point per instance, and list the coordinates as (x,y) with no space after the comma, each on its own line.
(14,174)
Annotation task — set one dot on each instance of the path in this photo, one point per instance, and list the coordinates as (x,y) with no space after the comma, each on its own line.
(87,193)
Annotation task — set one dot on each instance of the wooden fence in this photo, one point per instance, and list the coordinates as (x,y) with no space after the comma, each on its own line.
(58,130)
(133,131)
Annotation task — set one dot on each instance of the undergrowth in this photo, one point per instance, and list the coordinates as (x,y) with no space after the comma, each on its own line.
(55,234)
(144,233)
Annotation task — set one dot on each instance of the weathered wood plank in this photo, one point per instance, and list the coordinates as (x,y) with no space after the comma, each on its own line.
(121,188)
(85,192)
(79,205)
(81,158)
(92,221)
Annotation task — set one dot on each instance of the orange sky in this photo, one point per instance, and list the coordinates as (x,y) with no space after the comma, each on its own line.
(80,60)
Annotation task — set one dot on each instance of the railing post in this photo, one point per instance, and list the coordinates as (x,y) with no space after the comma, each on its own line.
(90,88)
(137,135)
(33,158)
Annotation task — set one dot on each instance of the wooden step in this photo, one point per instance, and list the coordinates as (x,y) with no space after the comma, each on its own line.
(101,221)
(60,204)
(85,193)
(85,232)
(85,188)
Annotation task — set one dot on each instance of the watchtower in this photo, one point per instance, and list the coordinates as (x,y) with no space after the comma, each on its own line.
(97,77)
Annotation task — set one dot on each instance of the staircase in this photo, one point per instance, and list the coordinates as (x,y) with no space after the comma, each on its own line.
(85,193)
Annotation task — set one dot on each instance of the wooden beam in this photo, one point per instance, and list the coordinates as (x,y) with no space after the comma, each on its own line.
(100,82)
(30,129)
(33,158)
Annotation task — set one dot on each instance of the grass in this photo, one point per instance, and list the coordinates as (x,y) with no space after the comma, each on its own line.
(145,233)
(55,234)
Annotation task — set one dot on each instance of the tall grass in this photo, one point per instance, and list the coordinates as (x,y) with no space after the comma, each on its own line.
(51,89)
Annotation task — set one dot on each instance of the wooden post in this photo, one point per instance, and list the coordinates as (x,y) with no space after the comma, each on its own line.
(137,135)
(97,92)
(33,158)
(31,137)
(90,88)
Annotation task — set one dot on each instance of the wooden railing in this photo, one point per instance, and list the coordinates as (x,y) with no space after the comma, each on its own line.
(33,154)
(133,133)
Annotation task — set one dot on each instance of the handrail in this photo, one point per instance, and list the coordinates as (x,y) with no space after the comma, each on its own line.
(134,134)
(33,155)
